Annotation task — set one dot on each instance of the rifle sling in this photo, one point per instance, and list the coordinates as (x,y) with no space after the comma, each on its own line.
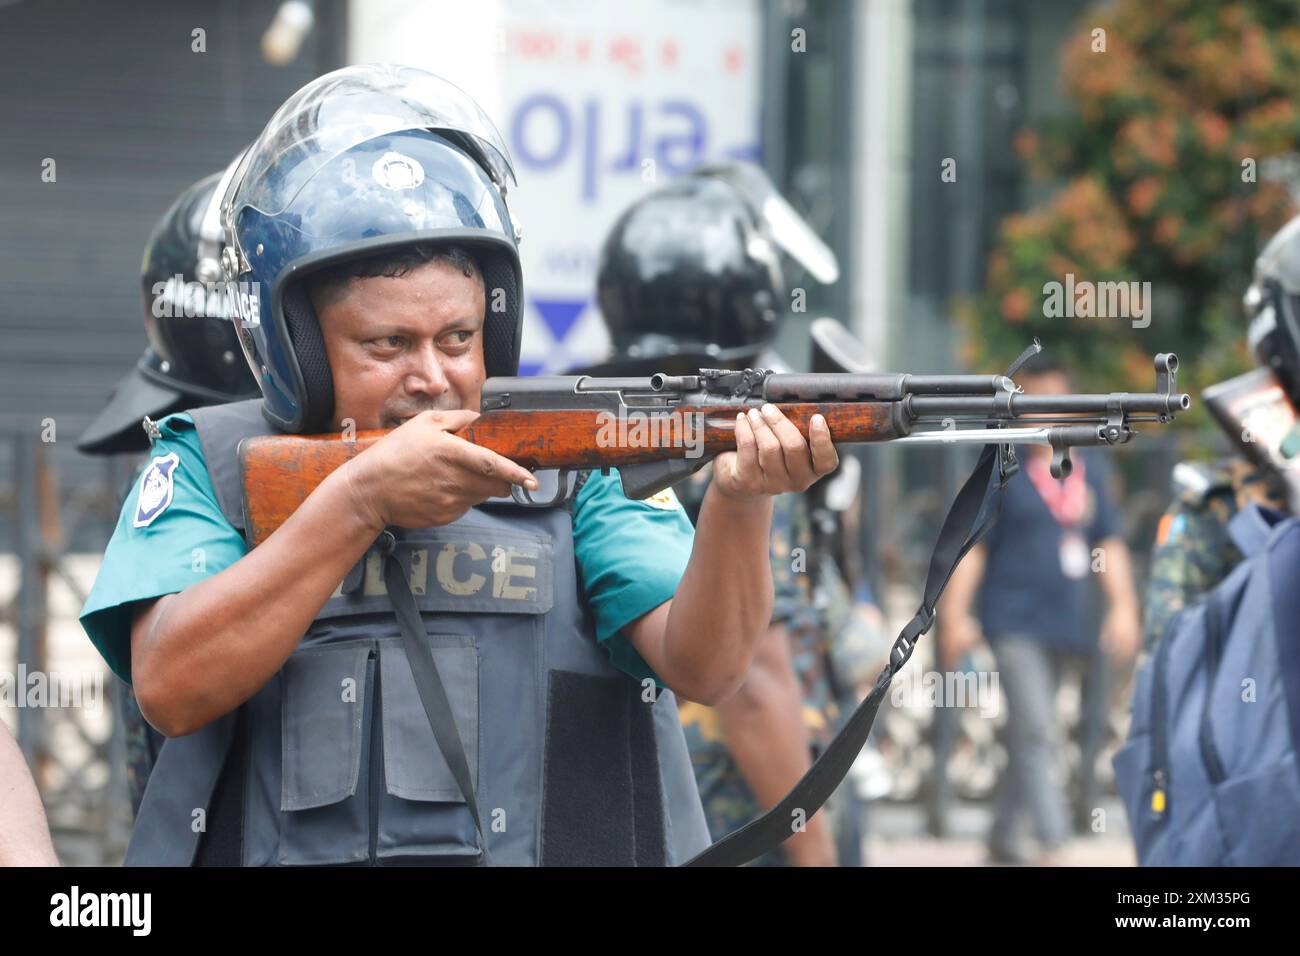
(972,514)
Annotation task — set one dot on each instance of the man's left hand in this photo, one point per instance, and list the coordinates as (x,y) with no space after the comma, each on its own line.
(772,457)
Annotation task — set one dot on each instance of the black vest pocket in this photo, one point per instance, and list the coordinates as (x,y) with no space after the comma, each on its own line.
(327,704)
(422,812)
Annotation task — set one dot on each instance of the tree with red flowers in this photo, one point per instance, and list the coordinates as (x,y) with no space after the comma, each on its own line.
(1183,110)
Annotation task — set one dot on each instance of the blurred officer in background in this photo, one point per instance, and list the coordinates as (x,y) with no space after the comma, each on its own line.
(1194,551)
(193,358)
(1024,589)
(690,277)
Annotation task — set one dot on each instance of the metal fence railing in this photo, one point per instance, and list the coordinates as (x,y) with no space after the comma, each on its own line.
(62,697)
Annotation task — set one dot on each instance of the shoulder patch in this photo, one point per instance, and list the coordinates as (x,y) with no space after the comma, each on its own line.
(156,487)
(1171,528)
(665,500)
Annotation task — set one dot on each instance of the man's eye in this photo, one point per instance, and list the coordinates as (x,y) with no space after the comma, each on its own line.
(460,338)
(390,342)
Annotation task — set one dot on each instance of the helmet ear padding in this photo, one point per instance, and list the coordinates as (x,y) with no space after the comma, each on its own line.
(309,346)
(502,325)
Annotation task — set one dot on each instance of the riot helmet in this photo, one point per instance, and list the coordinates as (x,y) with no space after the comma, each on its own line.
(1273,306)
(362,161)
(692,274)
(194,356)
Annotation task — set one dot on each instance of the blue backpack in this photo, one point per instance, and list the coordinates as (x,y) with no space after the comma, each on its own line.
(1208,774)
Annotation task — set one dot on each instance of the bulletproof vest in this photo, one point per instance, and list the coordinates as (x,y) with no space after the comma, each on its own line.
(333,761)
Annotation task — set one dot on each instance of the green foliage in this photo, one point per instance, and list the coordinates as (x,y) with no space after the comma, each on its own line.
(1188,98)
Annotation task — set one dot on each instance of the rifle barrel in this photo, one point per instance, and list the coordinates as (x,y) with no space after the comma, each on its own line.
(881,387)
(1022,404)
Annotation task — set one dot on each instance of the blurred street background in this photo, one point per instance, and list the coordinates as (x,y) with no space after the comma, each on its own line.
(956,155)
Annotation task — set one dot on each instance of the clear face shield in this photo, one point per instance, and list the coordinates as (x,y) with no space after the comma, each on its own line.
(778,220)
(337,112)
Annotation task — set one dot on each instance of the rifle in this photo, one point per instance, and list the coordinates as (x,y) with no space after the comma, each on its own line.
(660,428)
(564,424)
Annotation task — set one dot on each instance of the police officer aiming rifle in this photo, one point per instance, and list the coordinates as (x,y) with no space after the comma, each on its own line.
(354,690)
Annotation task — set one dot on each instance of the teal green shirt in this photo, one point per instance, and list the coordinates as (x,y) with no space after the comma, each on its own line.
(630,554)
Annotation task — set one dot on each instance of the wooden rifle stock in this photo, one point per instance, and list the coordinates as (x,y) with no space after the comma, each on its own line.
(278,472)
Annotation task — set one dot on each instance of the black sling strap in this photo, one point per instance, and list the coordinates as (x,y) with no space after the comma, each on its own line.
(437,708)
(972,514)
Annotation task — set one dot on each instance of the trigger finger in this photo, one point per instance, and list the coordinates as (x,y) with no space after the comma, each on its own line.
(482,486)
(499,467)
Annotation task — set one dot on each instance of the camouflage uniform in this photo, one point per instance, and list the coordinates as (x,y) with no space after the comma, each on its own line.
(1193,552)
(142,744)
(812,601)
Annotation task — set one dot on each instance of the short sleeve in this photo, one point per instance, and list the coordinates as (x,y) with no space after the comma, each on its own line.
(631,556)
(1106,518)
(170,534)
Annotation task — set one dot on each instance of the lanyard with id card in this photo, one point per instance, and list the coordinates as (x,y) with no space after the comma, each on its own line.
(1067,500)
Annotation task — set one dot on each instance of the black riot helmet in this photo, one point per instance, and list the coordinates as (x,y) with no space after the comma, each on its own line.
(193,357)
(691,273)
(1273,307)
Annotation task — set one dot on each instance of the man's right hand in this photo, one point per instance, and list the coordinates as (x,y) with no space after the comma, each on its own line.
(420,475)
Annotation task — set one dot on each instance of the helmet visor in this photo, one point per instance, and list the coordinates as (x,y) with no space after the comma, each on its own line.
(779,220)
(342,109)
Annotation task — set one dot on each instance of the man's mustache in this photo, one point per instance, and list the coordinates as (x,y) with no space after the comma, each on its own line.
(447,402)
